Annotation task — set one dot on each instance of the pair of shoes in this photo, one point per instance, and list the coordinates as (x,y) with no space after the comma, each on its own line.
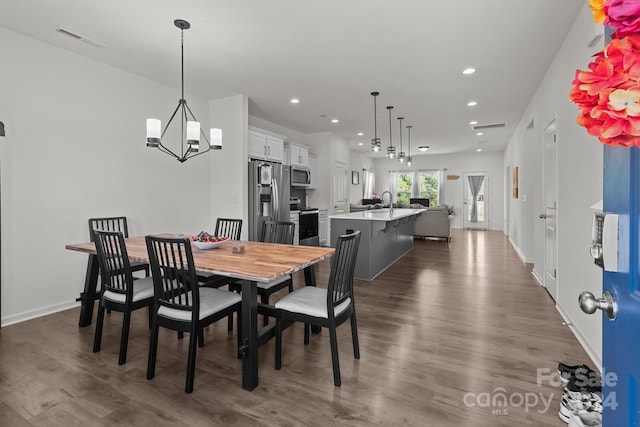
(581,396)
(585,419)
(567,372)
(577,387)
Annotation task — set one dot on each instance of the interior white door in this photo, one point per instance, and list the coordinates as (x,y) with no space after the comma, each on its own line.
(549,174)
(476,201)
(339,187)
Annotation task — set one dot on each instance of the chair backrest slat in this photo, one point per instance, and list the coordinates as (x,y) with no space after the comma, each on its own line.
(114,262)
(278,232)
(114,223)
(228,227)
(342,269)
(174,274)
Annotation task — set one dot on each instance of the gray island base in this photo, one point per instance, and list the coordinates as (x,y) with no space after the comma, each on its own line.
(385,237)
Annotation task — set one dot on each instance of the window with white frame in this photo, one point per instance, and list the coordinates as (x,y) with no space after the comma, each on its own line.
(424,184)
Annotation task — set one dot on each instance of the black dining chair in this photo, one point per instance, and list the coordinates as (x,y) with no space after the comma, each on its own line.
(180,303)
(116,223)
(227,227)
(327,307)
(273,232)
(120,291)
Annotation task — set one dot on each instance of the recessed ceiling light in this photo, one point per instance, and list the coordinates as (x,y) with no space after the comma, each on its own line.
(423,148)
(360,134)
(472,103)
(473,123)
(479,133)
(360,143)
(468,71)
(478,149)
(334,120)
(294,101)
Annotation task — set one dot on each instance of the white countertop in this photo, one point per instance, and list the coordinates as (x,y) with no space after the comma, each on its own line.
(379,214)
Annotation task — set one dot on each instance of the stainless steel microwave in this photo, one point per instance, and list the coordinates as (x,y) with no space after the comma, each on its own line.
(300,177)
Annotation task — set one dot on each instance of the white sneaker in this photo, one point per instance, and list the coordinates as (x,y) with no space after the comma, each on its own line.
(585,419)
(569,406)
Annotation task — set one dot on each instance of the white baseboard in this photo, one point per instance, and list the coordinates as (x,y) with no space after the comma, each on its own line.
(597,361)
(536,276)
(32,314)
(524,259)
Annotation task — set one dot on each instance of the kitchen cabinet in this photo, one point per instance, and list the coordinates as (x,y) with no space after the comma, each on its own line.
(298,155)
(322,226)
(266,147)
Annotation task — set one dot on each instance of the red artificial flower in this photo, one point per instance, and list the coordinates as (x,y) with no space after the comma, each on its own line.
(608,94)
(623,16)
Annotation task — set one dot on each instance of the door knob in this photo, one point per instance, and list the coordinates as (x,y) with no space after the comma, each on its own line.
(589,303)
(543,216)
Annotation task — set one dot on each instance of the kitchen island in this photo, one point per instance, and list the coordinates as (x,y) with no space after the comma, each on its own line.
(386,237)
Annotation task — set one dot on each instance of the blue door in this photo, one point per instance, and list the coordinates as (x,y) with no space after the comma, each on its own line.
(621,336)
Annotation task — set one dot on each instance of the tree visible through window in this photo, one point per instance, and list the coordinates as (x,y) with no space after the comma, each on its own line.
(403,188)
(422,184)
(429,186)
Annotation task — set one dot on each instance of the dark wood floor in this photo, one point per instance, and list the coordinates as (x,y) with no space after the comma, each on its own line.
(444,334)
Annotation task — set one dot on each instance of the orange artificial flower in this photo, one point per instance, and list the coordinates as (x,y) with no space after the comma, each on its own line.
(597,7)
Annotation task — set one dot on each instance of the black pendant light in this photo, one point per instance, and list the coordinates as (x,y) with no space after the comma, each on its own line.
(190,147)
(401,155)
(409,158)
(391,150)
(375,141)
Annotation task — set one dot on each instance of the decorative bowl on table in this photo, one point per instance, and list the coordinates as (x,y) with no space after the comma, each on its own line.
(207,241)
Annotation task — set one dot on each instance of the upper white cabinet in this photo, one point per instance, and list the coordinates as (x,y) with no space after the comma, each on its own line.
(298,155)
(266,147)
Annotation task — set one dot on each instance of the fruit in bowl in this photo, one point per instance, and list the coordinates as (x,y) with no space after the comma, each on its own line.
(205,240)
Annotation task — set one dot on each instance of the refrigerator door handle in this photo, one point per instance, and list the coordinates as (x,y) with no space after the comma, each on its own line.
(276,200)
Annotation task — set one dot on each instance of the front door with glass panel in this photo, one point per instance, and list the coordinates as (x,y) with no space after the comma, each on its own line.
(476,200)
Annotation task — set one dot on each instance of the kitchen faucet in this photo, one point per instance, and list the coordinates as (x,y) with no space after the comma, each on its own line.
(390,202)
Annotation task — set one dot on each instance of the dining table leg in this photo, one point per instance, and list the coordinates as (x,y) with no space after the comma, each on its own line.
(88,296)
(249,347)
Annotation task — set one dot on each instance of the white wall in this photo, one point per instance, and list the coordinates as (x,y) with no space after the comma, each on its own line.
(455,164)
(579,184)
(358,162)
(229,186)
(76,149)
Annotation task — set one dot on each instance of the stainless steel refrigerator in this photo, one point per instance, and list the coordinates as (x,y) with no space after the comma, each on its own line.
(269,187)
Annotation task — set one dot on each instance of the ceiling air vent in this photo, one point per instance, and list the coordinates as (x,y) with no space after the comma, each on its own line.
(489,126)
(76,36)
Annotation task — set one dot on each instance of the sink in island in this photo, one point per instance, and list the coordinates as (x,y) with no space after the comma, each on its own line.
(386,237)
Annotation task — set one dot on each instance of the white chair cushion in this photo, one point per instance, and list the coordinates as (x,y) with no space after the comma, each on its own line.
(142,289)
(211,301)
(310,300)
(274,283)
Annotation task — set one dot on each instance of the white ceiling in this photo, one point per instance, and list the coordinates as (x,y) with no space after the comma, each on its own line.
(331,54)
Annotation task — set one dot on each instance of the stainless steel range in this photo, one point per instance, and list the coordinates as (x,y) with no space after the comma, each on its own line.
(308,223)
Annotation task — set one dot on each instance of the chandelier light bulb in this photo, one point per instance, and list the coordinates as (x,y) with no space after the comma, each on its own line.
(215,136)
(154,132)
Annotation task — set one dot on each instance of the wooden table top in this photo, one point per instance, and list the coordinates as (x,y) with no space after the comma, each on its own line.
(261,262)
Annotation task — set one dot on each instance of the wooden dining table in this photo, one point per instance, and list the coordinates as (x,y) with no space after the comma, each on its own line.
(260,262)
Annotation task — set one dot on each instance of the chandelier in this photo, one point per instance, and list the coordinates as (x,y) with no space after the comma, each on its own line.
(191,148)
(401,155)
(375,141)
(391,150)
